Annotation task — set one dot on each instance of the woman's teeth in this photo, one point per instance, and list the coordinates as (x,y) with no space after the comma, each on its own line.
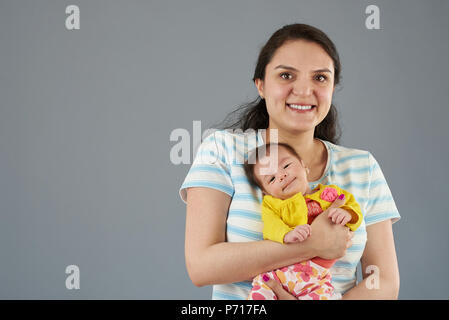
(298,107)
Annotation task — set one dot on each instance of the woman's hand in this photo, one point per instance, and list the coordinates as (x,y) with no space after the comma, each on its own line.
(279,291)
(329,240)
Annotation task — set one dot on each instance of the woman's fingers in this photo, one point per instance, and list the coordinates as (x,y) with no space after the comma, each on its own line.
(349,238)
(279,291)
(349,244)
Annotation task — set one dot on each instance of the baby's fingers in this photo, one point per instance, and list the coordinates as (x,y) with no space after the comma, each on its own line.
(346,220)
(331,213)
(308,229)
(302,234)
(335,215)
(339,219)
(305,227)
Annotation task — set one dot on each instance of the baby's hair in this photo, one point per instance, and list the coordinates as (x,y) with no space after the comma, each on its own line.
(255,155)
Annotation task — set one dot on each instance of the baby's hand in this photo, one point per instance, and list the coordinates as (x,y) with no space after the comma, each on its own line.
(300,233)
(339,216)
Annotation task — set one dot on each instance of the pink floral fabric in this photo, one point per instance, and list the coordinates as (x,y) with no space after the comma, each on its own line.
(329,194)
(306,281)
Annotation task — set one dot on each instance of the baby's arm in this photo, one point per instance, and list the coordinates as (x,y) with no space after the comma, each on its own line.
(299,234)
(273,227)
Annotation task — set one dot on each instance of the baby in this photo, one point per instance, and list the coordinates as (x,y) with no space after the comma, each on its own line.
(288,208)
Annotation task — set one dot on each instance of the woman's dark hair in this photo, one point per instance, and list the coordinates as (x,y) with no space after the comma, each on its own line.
(254,115)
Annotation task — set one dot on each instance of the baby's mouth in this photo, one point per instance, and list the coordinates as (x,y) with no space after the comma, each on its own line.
(286,186)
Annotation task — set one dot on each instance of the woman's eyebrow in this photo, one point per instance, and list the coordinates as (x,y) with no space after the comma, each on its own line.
(323,70)
(281,66)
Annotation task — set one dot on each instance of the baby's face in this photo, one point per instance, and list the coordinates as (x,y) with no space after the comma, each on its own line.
(286,179)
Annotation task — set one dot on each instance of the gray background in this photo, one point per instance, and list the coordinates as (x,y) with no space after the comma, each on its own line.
(86,115)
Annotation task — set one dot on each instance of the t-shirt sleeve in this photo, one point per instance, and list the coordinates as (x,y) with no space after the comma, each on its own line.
(380,205)
(210,168)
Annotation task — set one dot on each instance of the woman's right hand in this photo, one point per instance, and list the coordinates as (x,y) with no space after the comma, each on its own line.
(329,240)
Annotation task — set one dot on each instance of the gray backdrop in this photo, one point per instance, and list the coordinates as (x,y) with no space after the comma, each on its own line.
(86,116)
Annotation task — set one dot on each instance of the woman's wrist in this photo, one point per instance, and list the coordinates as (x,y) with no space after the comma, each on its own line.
(299,252)
(281,255)
(309,248)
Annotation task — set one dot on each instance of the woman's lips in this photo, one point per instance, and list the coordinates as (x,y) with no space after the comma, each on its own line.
(300,108)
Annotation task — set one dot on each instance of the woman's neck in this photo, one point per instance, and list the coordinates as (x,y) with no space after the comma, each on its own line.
(311,150)
(303,143)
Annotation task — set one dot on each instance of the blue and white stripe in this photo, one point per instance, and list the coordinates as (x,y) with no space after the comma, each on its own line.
(218,165)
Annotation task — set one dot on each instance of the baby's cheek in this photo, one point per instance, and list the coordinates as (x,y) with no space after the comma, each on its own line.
(275,192)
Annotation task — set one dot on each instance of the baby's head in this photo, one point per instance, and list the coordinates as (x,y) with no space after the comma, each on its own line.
(281,174)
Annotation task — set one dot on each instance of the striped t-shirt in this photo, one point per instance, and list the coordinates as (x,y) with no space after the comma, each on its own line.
(218,164)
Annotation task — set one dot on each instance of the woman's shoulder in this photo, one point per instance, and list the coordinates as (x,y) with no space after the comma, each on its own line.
(343,154)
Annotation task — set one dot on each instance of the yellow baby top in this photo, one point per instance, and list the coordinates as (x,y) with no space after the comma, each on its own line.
(281,216)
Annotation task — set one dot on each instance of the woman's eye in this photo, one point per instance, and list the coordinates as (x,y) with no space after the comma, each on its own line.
(286,76)
(321,78)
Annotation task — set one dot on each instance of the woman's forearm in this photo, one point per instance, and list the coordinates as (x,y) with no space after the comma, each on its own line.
(212,260)
(228,262)
(386,290)
(380,252)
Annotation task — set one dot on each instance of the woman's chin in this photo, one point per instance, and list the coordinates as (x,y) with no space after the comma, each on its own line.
(297,127)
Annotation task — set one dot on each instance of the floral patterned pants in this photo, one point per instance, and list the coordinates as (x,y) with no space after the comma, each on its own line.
(305,280)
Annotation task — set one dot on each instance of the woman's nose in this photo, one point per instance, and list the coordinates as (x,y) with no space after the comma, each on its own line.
(302,88)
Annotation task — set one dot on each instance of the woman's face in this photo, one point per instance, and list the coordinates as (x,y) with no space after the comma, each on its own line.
(298,86)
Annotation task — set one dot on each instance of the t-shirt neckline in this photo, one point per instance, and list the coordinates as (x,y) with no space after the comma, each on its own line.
(312,184)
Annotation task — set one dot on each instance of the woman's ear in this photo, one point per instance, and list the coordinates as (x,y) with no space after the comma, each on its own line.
(259,86)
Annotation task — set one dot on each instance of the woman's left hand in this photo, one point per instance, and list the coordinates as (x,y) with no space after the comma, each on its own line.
(279,291)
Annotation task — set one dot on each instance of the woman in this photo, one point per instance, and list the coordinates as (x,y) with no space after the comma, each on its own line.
(295,75)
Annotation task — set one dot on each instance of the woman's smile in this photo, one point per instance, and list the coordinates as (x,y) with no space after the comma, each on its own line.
(300,108)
